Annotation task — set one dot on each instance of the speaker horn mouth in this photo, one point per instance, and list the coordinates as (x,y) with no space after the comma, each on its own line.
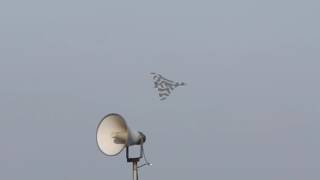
(112,134)
(119,137)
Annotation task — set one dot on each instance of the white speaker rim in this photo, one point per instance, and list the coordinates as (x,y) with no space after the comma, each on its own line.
(124,146)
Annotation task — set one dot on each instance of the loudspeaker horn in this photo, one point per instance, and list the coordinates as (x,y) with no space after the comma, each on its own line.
(113,135)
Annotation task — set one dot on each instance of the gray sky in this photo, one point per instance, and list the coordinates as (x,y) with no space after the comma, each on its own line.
(250,110)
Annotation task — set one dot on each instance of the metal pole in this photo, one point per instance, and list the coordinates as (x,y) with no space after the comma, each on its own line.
(135,170)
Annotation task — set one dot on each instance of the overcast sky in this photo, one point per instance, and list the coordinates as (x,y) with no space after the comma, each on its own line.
(250,110)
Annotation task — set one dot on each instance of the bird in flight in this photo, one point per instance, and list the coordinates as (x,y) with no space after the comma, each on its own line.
(164,86)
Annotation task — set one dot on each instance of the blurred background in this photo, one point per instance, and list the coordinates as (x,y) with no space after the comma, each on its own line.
(250,110)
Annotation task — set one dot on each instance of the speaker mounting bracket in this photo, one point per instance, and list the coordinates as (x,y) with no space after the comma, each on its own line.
(134,161)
